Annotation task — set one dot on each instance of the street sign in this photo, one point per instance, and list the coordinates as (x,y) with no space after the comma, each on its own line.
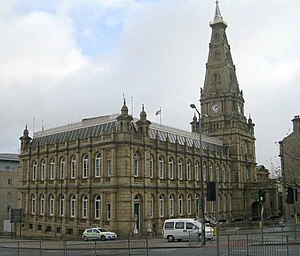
(16,215)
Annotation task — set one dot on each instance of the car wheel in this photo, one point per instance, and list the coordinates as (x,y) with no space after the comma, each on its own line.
(85,238)
(170,238)
(103,238)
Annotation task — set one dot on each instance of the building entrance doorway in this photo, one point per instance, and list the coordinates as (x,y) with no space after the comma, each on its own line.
(137,212)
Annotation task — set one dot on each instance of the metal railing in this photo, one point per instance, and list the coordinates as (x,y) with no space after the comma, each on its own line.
(128,247)
(263,244)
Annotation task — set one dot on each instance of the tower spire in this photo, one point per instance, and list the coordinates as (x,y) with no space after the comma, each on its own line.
(218,16)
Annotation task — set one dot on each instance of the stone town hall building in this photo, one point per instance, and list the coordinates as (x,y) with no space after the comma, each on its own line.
(129,174)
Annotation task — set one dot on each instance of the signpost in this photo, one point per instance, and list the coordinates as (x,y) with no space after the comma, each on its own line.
(16,215)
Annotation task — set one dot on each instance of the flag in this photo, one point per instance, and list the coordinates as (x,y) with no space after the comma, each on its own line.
(158,112)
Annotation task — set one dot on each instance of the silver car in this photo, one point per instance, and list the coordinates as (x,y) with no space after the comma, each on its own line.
(98,234)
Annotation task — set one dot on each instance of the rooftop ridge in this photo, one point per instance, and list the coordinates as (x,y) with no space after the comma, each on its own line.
(86,122)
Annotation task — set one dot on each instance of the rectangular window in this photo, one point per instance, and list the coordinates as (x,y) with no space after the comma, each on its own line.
(171,170)
(73,168)
(43,171)
(161,169)
(51,207)
(62,169)
(179,225)
(98,167)
(151,171)
(108,168)
(73,205)
(52,171)
(180,171)
(42,206)
(169,225)
(62,206)
(97,209)
(135,167)
(84,208)
(108,211)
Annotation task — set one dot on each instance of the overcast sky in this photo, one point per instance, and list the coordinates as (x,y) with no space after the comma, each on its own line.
(64,60)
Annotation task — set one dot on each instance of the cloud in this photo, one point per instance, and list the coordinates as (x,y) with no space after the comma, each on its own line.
(66,60)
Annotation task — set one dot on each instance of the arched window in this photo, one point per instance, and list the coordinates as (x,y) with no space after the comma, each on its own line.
(161,167)
(210,173)
(197,173)
(197,205)
(171,168)
(217,173)
(98,165)
(171,205)
(188,171)
(223,174)
(180,205)
(73,167)
(204,171)
(229,202)
(97,206)
(51,205)
(108,167)
(73,206)
(34,170)
(136,163)
(33,204)
(224,203)
(52,169)
(152,206)
(61,205)
(42,205)
(189,205)
(62,168)
(229,174)
(161,206)
(43,170)
(151,167)
(85,206)
(180,169)
(85,166)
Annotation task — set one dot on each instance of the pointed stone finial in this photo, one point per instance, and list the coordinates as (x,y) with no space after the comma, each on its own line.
(218,17)
(143,115)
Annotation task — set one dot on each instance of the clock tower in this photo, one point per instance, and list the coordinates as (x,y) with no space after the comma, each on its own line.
(222,108)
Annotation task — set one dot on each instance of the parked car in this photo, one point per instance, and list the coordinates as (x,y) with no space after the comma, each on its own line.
(98,234)
(183,229)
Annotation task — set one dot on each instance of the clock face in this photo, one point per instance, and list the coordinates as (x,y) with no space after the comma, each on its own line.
(214,108)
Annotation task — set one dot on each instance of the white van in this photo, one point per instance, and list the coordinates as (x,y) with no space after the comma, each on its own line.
(183,229)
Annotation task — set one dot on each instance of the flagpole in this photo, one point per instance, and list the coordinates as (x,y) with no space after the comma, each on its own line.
(160,116)
(159,113)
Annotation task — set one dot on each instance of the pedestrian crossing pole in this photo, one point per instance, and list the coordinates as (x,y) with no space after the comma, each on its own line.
(261,222)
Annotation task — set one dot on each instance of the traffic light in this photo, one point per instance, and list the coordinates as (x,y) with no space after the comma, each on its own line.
(211,191)
(261,195)
(290,195)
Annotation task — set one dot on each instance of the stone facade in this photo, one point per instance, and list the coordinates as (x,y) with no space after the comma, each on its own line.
(9,176)
(290,166)
(129,175)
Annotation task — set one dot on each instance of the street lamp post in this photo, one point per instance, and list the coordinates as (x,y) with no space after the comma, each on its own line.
(202,181)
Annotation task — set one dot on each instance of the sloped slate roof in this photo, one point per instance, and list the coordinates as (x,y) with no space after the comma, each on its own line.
(9,156)
(93,127)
